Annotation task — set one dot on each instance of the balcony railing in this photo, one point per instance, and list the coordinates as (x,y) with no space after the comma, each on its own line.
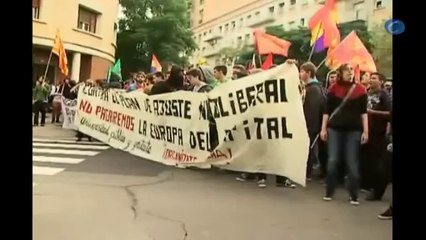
(212,36)
(211,52)
(260,20)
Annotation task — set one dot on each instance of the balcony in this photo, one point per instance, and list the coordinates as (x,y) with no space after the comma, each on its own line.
(260,20)
(213,36)
(361,15)
(211,52)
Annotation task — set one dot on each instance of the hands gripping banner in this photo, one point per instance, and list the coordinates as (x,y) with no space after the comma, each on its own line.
(68,108)
(254,124)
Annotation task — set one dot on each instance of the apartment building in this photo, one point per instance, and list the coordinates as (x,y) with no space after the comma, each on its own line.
(223,24)
(88,29)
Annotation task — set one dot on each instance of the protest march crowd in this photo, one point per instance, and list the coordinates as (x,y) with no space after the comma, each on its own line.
(356,132)
(348,115)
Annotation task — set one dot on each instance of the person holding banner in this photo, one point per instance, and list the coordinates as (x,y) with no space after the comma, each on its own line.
(194,77)
(173,83)
(158,77)
(313,108)
(40,98)
(345,128)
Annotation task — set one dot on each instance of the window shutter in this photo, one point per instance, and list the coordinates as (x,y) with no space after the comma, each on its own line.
(36,3)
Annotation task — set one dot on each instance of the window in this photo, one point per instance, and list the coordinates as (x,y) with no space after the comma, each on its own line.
(302,22)
(204,49)
(210,31)
(247,37)
(257,13)
(220,29)
(226,27)
(379,3)
(36,9)
(241,22)
(204,34)
(249,17)
(359,11)
(272,9)
(233,24)
(239,40)
(87,20)
(281,7)
(292,2)
(201,16)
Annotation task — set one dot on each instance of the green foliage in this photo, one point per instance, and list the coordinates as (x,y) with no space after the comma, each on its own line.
(382,44)
(300,48)
(153,27)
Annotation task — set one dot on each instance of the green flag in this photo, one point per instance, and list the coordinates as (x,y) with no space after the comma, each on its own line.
(115,69)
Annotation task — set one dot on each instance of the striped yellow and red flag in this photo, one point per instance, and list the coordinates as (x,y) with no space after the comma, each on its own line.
(59,50)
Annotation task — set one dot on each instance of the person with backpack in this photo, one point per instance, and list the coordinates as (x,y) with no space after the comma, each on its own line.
(313,108)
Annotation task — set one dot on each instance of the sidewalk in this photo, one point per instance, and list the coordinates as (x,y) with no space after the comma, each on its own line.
(53,131)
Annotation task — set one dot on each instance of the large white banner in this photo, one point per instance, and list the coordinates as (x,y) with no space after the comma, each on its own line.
(68,108)
(258,122)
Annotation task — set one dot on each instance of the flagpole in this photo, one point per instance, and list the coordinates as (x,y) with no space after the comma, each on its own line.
(47,66)
(260,60)
(315,43)
(322,63)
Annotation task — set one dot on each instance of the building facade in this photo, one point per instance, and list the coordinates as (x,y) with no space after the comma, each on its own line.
(88,29)
(224,24)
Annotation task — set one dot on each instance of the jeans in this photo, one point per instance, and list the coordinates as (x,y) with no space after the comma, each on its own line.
(384,176)
(312,157)
(346,144)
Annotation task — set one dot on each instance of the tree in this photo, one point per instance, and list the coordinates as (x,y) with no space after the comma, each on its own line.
(231,55)
(382,45)
(157,27)
(300,48)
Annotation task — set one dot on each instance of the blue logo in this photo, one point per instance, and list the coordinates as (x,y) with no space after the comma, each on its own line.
(394,26)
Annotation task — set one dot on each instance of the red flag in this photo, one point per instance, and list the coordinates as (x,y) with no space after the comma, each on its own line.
(269,61)
(252,65)
(266,44)
(351,50)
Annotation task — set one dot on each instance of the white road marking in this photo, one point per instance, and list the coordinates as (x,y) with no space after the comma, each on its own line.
(66,141)
(51,159)
(75,146)
(65,151)
(46,170)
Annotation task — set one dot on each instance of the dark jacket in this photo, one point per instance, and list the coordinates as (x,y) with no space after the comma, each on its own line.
(162,87)
(348,118)
(313,107)
(205,88)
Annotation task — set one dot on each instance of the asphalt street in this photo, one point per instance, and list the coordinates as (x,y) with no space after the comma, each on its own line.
(88,191)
